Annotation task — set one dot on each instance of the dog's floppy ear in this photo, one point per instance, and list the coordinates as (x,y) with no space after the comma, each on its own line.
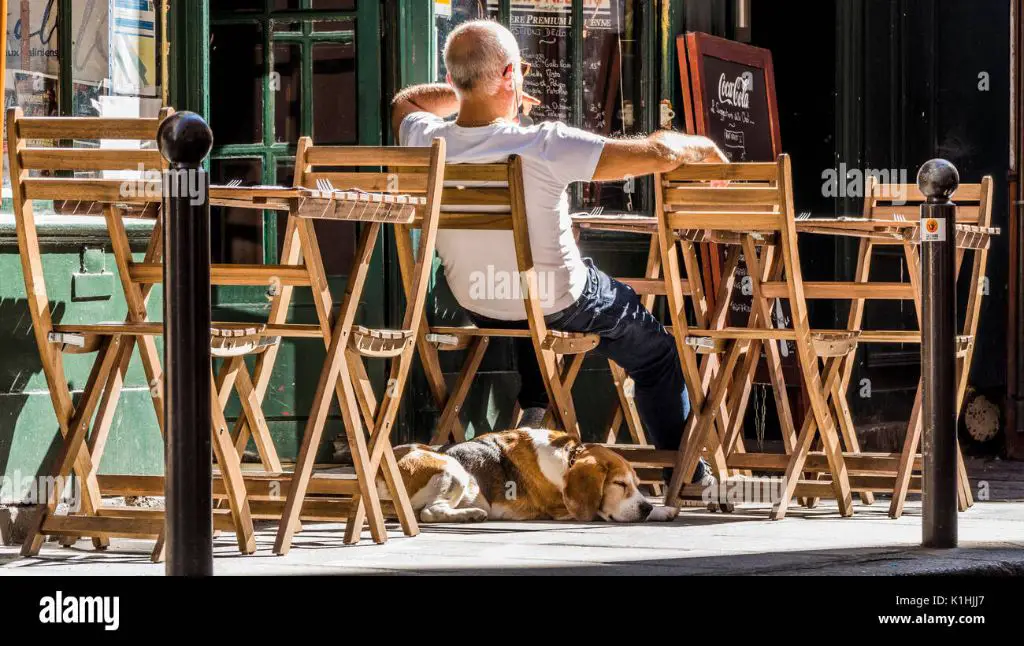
(584,488)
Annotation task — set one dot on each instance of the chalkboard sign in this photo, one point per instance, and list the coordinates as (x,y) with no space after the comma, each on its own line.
(544,30)
(732,86)
(729,97)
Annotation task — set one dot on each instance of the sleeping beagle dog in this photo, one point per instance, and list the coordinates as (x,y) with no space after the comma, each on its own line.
(522,474)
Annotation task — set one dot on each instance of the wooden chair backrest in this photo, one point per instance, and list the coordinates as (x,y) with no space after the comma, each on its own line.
(883,201)
(757,199)
(45,165)
(414,171)
(491,197)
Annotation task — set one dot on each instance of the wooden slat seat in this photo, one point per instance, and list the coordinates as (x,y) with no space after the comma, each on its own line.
(555,340)
(228,342)
(381,344)
(86,338)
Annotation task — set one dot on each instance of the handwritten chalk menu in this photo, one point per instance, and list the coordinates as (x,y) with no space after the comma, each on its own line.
(736,112)
(543,29)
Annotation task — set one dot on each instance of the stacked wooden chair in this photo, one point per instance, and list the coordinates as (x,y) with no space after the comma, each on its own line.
(891,218)
(62,173)
(489,197)
(755,213)
(329,496)
(59,173)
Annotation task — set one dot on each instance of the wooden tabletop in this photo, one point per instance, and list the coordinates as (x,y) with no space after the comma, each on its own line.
(841,226)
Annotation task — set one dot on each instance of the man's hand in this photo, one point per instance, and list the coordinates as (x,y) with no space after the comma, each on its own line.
(662,152)
(436,98)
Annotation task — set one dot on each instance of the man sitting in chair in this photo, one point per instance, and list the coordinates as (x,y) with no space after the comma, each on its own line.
(485,90)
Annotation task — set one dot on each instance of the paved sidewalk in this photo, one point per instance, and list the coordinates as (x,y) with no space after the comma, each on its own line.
(807,542)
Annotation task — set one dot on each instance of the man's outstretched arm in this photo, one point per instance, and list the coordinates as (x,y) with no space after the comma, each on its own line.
(436,98)
(661,152)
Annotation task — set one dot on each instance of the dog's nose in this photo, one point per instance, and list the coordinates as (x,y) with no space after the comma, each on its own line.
(645,509)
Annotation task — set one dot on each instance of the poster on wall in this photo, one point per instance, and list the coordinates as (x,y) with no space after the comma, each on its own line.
(133,50)
(544,29)
(32,63)
(90,56)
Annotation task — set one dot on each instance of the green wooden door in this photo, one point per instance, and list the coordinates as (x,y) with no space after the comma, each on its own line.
(281,70)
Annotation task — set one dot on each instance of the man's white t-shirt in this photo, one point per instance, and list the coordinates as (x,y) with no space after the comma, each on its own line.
(481,266)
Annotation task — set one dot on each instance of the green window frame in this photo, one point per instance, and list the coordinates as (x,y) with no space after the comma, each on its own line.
(270,152)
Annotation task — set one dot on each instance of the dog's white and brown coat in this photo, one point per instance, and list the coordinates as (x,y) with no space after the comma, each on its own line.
(524,474)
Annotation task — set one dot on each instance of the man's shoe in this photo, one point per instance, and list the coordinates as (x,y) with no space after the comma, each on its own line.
(703,475)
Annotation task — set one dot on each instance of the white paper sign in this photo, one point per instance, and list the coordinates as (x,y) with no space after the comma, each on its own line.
(933,230)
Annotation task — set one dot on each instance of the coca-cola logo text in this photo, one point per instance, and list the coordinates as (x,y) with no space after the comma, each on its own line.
(736,92)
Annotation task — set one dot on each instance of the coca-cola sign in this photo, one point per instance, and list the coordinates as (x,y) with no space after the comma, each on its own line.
(736,92)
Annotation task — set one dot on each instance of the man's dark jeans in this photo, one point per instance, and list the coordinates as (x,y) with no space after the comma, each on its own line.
(632,337)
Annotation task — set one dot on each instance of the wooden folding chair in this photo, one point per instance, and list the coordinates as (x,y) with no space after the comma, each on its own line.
(901,202)
(756,209)
(356,499)
(115,342)
(647,459)
(490,197)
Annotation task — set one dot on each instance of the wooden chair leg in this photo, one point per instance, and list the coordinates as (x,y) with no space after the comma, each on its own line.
(231,472)
(335,378)
(907,455)
(848,431)
(447,424)
(75,441)
(570,370)
(159,552)
(363,387)
(335,375)
(627,410)
(252,409)
(698,430)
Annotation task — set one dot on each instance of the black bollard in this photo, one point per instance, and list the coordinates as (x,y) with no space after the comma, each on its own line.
(938,180)
(185,141)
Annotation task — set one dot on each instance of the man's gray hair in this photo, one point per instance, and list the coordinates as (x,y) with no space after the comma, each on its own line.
(477,63)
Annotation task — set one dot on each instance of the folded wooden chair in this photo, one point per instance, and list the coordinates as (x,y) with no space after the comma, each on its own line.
(757,212)
(490,197)
(55,172)
(888,202)
(92,189)
(327,496)
(647,459)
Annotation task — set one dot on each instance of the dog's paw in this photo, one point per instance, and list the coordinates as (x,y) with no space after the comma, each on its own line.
(663,514)
(475,515)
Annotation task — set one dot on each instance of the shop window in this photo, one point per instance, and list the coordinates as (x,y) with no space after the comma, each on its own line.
(286,69)
(602,96)
(237,70)
(112,68)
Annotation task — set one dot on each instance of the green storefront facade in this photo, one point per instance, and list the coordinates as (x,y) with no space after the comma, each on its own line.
(265,72)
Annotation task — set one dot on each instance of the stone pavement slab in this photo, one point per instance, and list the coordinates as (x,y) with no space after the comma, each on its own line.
(807,542)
